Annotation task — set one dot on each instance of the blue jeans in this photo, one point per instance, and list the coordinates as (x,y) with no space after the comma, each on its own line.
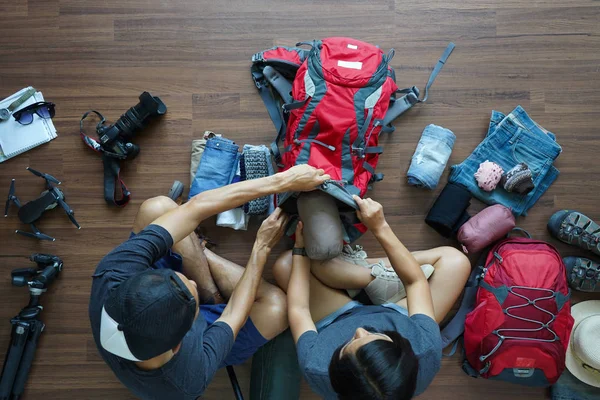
(511,140)
(430,158)
(330,319)
(217,166)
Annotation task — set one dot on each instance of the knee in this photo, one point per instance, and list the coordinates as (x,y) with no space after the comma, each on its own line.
(456,261)
(157,206)
(275,301)
(283,269)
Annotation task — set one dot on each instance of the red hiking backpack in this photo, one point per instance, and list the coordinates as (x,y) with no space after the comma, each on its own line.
(329,105)
(520,328)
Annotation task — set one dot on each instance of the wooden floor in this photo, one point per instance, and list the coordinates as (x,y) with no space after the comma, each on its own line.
(195,54)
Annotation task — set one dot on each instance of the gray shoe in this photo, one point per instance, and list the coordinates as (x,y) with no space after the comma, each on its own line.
(576,229)
(583,274)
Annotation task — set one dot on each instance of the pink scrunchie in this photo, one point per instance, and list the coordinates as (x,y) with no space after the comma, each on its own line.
(488,175)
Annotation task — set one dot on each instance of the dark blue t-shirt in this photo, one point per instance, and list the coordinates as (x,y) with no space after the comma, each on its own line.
(203,348)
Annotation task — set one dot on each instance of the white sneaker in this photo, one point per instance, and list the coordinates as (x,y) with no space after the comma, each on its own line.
(387,286)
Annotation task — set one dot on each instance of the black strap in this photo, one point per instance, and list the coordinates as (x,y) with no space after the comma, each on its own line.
(112,170)
(112,167)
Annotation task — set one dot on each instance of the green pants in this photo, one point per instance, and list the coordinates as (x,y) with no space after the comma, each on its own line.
(275,371)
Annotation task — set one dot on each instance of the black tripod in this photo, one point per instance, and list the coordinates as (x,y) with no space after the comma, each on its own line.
(26,327)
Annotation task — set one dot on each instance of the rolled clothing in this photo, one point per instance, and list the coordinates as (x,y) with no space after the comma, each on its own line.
(449,211)
(431,156)
(198,146)
(512,139)
(254,164)
(217,166)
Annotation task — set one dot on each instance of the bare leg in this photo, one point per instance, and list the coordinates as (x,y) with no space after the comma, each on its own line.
(452,269)
(269,312)
(195,266)
(323,299)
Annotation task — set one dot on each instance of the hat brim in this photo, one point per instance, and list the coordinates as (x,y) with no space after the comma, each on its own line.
(580,311)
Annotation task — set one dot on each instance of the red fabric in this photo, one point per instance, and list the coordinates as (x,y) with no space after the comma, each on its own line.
(282,54)
(531,264)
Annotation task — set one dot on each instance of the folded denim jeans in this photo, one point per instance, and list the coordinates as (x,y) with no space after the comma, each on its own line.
(511,140)
(431,156)
(570,388)
(449,212)
(217,167)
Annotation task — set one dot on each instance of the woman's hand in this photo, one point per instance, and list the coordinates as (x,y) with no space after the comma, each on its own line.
(299,235)
(370,213)
(271,230)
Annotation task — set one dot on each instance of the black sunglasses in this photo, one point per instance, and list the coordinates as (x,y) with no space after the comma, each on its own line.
(43,109)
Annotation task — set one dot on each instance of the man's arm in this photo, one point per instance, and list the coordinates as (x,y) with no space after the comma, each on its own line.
(418,293)
(182,221)
(240,303)
(298,293)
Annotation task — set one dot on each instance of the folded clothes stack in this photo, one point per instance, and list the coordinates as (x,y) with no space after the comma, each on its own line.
(521,148)
(216,162)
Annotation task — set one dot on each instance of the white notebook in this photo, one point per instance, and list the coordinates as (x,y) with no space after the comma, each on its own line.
(16,138)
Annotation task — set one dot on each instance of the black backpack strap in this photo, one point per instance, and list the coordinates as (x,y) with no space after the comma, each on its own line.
(411,96)
(455,328)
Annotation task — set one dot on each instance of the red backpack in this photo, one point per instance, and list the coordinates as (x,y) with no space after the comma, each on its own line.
(520,328)
(329,105)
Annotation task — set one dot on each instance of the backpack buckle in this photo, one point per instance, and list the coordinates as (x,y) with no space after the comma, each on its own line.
(359,151)
(257,78)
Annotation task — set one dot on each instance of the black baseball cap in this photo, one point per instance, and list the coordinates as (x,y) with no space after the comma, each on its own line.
(147,315)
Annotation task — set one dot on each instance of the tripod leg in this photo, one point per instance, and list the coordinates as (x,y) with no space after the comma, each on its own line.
(18,339)
(37,327)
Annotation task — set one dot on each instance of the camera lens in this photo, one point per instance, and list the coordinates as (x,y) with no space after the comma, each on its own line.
(137,116)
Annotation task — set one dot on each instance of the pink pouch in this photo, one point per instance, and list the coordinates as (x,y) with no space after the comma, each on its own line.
(490,225)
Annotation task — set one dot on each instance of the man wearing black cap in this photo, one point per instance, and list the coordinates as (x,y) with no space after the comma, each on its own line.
(156,304)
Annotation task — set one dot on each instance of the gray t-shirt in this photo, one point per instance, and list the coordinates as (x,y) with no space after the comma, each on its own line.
(316,349)
(203,348)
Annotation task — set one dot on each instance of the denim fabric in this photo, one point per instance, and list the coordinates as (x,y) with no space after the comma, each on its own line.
(328,320)
(430,158)
(217,166)
(511,140)
(247,342)
(570,388)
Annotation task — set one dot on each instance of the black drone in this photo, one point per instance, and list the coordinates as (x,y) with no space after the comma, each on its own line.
(33,210)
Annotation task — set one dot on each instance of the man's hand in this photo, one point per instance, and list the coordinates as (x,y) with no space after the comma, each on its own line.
(370,213)
(299,235)
(304,178)
(271,230)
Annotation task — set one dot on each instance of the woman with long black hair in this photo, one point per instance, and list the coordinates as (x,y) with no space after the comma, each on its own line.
(391,350)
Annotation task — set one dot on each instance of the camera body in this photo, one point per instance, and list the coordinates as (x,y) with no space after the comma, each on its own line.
(38,279)
(116,138)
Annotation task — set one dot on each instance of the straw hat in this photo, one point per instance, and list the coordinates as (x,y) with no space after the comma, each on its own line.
(583,353)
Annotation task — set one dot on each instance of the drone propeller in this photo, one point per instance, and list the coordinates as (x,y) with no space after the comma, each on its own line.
(47,177)
(11,193)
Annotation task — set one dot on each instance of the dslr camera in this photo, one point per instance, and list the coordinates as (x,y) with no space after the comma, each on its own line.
(116,138)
